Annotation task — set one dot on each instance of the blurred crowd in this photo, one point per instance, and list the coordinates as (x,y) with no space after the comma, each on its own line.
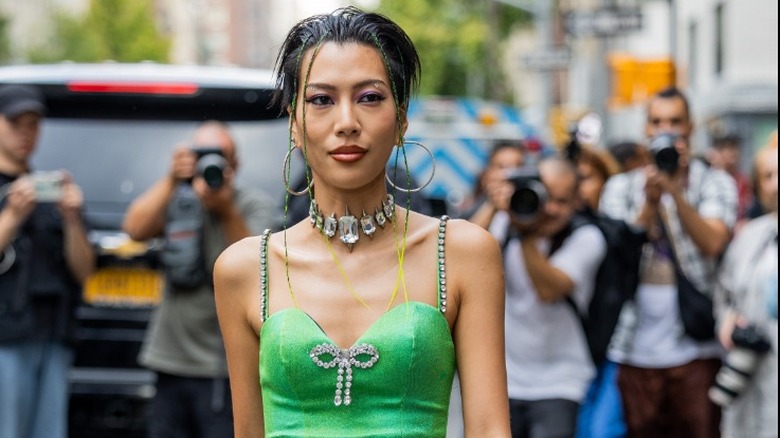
(692,348)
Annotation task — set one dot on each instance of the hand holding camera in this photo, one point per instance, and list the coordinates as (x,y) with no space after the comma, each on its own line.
(664,177)
(48,185)
(208,163)
(740,364)
(528,198)
(663,149)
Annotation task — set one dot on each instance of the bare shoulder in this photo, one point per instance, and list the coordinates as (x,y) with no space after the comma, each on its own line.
(238,263)
(469,239)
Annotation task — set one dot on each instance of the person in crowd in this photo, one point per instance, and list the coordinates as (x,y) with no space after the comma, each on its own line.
(688,211)
(726,154)
(356,328)
(45,257)
(747,301)
(595,166)
(755,209)
(601,414)
(549,366)
(504,156)
(629,155)
(199,212)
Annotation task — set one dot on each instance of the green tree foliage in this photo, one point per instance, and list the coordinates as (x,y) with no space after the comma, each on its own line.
(453,37)
(119,30)
(5,43)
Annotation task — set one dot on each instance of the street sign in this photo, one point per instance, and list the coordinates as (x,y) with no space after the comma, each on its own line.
(603,22)
(554,58)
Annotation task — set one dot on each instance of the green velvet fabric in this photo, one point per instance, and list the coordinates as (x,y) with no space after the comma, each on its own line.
(404,394)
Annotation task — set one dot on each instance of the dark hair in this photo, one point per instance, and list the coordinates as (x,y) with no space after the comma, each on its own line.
(673,93)
(348,25)
(625,150)
(726,140)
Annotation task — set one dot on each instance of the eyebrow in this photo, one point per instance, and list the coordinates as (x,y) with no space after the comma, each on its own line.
(361,84)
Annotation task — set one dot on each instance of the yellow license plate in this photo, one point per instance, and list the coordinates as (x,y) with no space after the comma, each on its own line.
(124,286)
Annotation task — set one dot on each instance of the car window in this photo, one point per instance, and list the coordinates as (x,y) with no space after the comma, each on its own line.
(114,161)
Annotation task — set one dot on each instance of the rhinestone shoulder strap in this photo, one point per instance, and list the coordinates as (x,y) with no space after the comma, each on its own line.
(441,271)
(264,274)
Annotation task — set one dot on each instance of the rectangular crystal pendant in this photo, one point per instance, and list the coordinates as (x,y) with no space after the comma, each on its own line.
(329,226)
(389,206)
(367,224)
(380,218)
(348,229)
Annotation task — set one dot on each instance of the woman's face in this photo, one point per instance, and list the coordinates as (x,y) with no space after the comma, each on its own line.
(767,179)
(591,183)
(504,159)
(350,116)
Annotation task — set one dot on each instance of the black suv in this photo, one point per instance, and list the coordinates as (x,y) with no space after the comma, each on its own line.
(114,126)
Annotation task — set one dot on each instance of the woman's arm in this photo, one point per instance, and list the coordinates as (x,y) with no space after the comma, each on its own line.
(476,271)
(237,293)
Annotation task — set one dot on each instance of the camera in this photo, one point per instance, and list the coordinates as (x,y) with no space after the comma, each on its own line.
(211,166)
(529,196)
(741,362)
(664,152)
(48,185)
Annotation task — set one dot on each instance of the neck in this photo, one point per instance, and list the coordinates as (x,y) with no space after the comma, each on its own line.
(352,225)
(10,167)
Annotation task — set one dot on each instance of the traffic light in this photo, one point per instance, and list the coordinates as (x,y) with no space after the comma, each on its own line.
(561,119)
(654,76)
(624,72)
(634,80)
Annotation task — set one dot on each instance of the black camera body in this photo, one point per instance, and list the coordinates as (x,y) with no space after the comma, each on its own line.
(741,362)
(662,147)
(211,166)
(529,196)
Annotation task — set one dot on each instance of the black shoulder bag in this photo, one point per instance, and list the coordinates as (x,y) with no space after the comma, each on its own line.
(695,307)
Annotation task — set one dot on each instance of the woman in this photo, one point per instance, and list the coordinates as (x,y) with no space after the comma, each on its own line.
(359,336)
(492,193)
(747,300)
(595,167)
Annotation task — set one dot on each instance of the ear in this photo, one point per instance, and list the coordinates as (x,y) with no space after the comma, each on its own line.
(296,137)
(404,123)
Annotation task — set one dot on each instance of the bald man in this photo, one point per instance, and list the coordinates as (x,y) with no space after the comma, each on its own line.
(183,343)
(548,261)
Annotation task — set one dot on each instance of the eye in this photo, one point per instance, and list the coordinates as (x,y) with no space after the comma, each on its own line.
(371,98)
(319,100)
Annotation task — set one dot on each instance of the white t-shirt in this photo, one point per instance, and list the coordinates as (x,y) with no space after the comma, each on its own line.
(546,350)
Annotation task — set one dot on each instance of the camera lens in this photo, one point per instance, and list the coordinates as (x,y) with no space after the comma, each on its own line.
(211,167)
(525,201)
(739,365)
(665,153)
(529,196)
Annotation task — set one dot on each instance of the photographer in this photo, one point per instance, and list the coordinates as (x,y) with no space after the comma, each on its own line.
(44,259)
(688,211)
(746,385)
(199,211)
(547,261)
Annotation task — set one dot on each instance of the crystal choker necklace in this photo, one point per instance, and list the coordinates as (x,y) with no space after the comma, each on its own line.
(347,225)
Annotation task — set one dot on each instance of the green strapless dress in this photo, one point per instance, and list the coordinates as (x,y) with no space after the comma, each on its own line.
(395,381)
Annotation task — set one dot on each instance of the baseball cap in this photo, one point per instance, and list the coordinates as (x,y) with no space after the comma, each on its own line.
(16,100)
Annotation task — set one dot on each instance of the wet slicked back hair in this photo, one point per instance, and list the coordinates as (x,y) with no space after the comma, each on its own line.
(348,25)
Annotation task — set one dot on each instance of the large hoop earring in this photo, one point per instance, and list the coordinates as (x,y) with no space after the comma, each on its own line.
(430,178)
(286,176)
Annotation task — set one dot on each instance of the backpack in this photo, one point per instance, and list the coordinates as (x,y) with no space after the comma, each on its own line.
(616,280)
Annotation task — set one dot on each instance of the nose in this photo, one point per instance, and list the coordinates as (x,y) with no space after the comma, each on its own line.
(347,123)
